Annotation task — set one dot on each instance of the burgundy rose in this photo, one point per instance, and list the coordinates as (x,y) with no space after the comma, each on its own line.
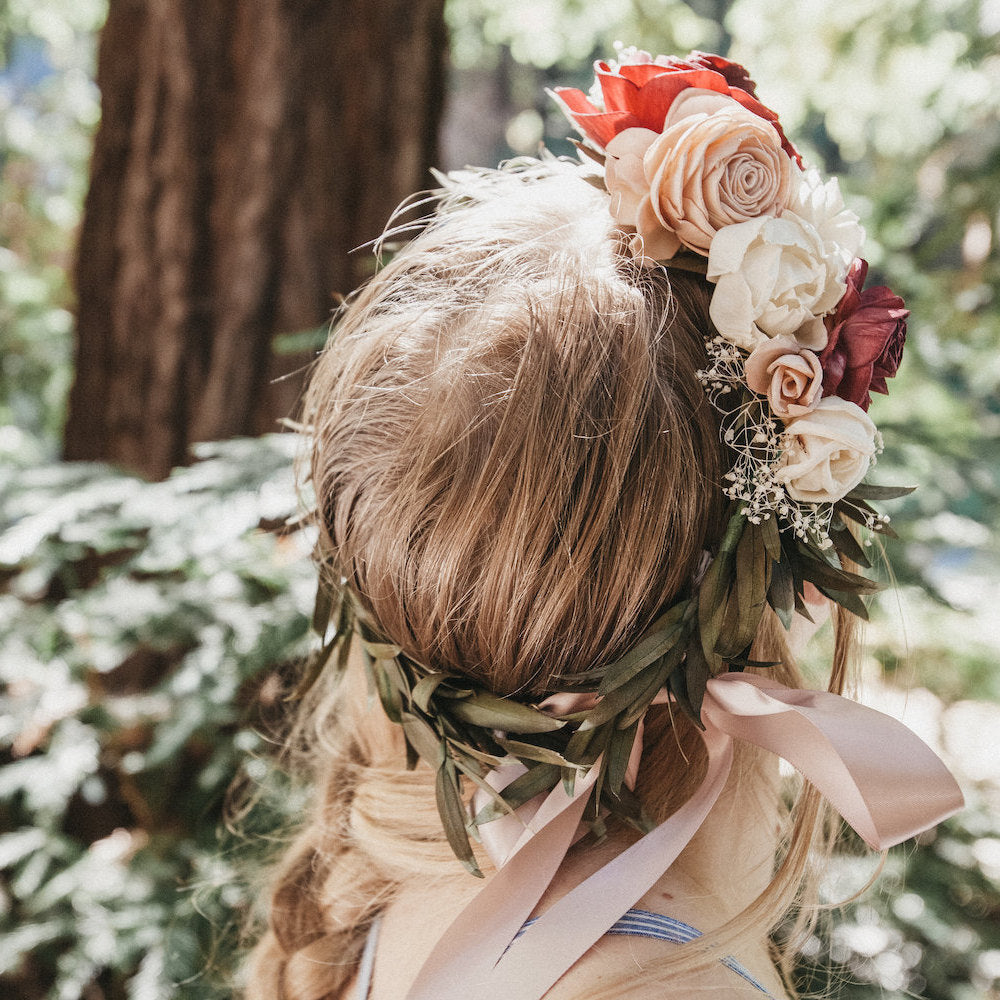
(866,331)
(639,95)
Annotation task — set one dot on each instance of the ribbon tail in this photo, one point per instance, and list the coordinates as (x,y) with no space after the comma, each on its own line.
(879,775)
(577,921)
(481,933)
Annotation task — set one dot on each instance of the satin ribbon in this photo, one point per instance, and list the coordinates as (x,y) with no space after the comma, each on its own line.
(885,782)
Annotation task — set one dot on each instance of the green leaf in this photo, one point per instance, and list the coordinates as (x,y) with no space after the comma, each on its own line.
(616,758)
(856,510)
(781,593)
(425,688)
(657,677)
(314,665)
(845,543)
(693,671)
(587,744)
(661,636)
(869,491)
(822,574)
(846,599)
(327,595)
(528,751)
(745,603)
(712,598)
(449,802)
(772,538)
(386,685)
(522,789)
(578,749)
(490,712)
(423,739)
(381,650)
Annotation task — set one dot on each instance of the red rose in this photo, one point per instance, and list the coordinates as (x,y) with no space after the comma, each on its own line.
(866,331)
(639,95)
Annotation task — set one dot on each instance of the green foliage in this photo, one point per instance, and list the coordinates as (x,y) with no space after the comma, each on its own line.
(143,629)
(48,108)
(930,927)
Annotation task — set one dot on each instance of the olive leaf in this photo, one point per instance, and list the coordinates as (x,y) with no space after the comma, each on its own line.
(862,512)
(386,684)
(781,593)
(449,802)
(869,491)
(660,638)
(745,603)
(846,599)
(314,665)
(715,586)
(522,789)
(423,739)
(823,575)
(529,751)
(425,688)
(616,758)
(491,712)
(845,543)
(327,595)
(772,538)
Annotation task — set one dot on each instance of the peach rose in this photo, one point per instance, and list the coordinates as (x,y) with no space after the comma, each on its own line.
(827,452)
(791,378)
(715,165)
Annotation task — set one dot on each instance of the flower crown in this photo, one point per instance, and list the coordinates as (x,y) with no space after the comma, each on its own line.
(702,177)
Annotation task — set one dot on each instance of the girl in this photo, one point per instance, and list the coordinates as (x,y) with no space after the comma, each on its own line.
(569,517)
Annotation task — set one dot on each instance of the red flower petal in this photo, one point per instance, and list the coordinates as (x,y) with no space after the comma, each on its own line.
(575,100)
(652,102)
(735,74)
(866,336)
(641,73)
(603,127)
(619,93)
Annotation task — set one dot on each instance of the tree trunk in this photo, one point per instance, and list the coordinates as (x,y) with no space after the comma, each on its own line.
(244,150)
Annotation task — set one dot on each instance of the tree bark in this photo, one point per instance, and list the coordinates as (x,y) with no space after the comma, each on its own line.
(244,150)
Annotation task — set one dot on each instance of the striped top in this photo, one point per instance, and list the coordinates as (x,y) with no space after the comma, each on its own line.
(635,923)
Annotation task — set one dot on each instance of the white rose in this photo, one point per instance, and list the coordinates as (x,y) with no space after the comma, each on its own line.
(826,452)
(822,206)
(774,278)
(715,165)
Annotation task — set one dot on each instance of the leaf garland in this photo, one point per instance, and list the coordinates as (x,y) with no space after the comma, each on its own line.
(460,728)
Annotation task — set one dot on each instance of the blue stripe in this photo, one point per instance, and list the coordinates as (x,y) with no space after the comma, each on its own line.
(643,923)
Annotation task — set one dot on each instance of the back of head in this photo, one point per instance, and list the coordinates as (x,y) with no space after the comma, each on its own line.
(516,465)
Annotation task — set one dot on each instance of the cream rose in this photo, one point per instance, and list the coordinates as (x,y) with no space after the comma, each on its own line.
(822,206)
(774,278)
(826,452)
(715,165)
(791,378)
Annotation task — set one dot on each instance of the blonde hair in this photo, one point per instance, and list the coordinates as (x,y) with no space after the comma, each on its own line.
(515,470)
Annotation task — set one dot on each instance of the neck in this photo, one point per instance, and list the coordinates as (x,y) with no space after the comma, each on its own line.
(726,866)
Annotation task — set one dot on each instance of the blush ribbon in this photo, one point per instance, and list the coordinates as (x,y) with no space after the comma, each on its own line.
(885,782)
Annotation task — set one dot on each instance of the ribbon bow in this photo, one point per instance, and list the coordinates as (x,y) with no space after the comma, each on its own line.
(885,782)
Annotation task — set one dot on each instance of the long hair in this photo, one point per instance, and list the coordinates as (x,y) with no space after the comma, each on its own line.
(515,470)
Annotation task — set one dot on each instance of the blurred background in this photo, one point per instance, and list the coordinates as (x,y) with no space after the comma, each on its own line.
(181,187)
